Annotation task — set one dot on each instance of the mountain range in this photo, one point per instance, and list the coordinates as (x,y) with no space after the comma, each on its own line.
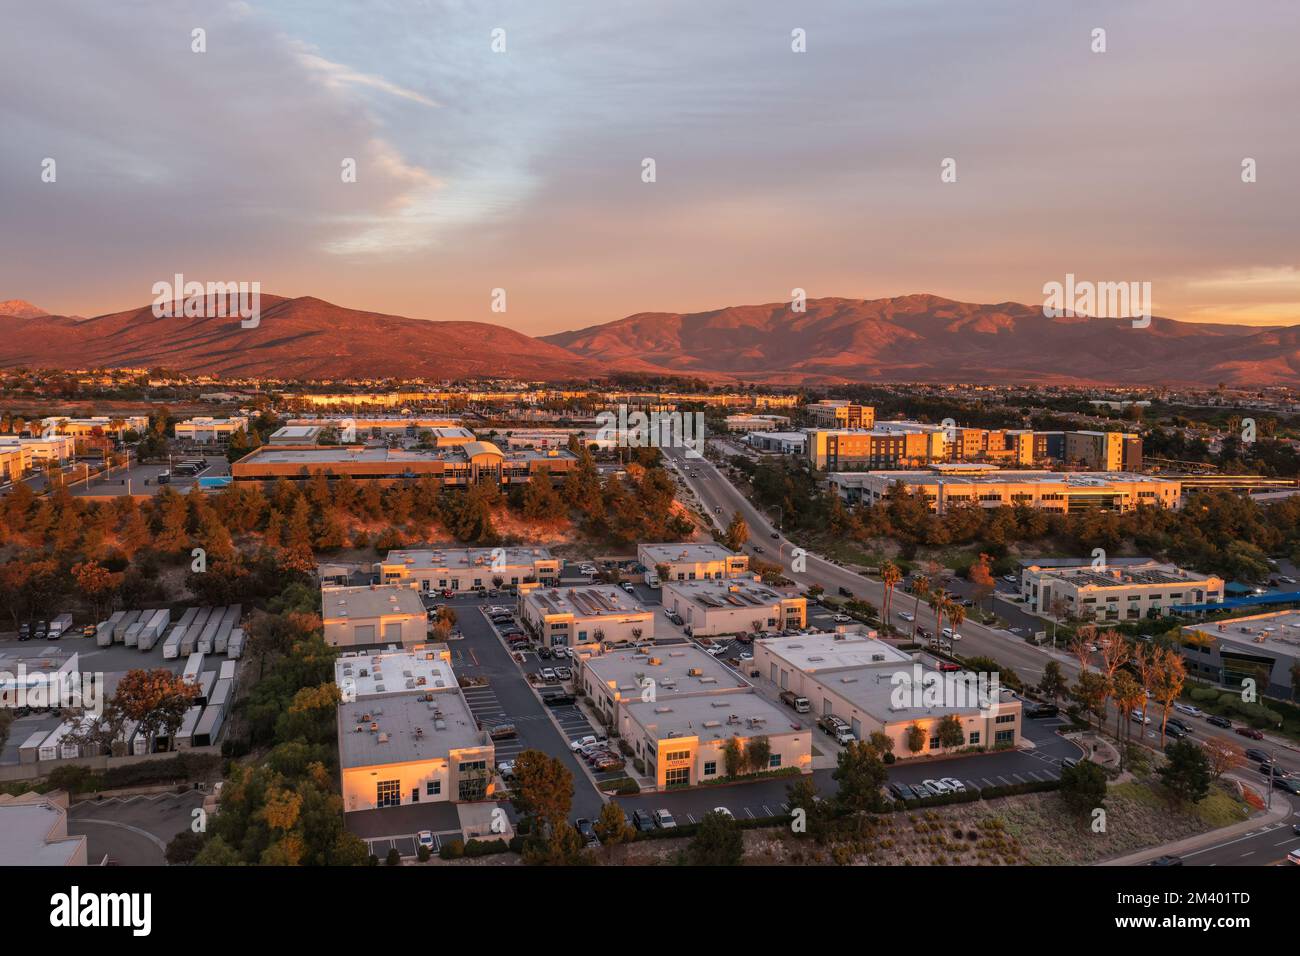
(907,338)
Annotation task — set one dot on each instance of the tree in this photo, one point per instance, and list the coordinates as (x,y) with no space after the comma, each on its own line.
(1089,692)
(889,577)
(758,754)
(737,533)
(733,757)
(1186,773)
(921,590)
(157,699)
(1083,786)
(860,774)
(717,842)
(1129,695)
(543,788)
(915,738)
(981,576)
(1053,683)
(1170,675)
(612,827)
(882,743)
(1222,755)
(950,731)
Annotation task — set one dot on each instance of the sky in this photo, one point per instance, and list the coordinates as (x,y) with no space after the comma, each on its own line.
(522,169)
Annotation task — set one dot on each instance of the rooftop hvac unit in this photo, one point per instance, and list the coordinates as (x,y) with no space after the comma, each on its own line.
(383,738)
(694,672)
(877,657)
(663,710)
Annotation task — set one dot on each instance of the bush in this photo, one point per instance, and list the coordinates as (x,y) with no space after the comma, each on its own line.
(422,853)
(452,850)
(485,847)
(394,858)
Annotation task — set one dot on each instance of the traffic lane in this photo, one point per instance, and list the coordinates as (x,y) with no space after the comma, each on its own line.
(1265,846)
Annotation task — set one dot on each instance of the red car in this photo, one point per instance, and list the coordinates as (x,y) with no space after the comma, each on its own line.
(949,666)
(1251,732)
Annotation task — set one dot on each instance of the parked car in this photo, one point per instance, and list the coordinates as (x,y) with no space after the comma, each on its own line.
(1138,717)
(558,700)
(25,631)
(563,673)
(627,586)
(723,811)
(902,791)
(548,675)
(1218,721)
(507,769)
(425,839)
(949,667)
(1038,711)
(1257,755)
(842,619)
(643,821)
(1251,732)
(845,592)
(502,731)
(1070,762)
(580,742)
(954,783)
(1294,857)
(936,787)
(664,820)
(586,831)
(1189,709)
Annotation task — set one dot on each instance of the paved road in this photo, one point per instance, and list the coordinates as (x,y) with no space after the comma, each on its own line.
(1266,846)
(133,831)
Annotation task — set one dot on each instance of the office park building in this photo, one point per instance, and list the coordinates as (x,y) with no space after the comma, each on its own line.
(406,733)
(693,562)
(1130,592)
(585,617)
(875,687)
(373,614)
(730,606)
(1260,647)
(464,569)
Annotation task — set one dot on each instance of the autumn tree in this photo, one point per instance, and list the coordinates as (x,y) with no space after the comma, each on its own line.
(97,584)
(156,699)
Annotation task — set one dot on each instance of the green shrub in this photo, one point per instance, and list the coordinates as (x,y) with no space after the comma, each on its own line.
(452,850)
(394,858)
(485,847)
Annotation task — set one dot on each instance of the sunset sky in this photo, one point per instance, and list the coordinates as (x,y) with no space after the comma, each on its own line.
(775,169)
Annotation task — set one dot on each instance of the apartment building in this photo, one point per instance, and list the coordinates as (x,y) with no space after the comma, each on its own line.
(585,617)
(462,569)
(1061,492)
(693,562)
(34,831)
(874,687)
(839,413)
(210,431)
(782,443)
(1118,593)
(684,741)
(1260,647)
(729,606)
(614,679)
(887,445)
(456,467)
(1103,451)
(374,614)
(406,732)
(1013,446)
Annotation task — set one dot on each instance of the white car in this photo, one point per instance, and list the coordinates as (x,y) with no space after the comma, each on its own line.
(627,586)
(906,616)
(715,649)
(746,656)
(1191,710)
(424,838)
(725,812)
(506,768)
(548,675)
(951,635)
(937,787)
(954,783)
(576,745)
(841,619)
(1009,578)
(1137,718)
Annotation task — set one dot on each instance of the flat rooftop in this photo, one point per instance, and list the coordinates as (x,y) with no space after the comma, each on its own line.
(692,553)
(391,672)
(333,454)
(402,728)
(827,651)
(781,436)
(1080,480)
(373,600)
(1127,576)
(434,559)
(871,690)
(715,717)
(23,831)
(680,669)
(725,593)
(595,601)
(1278,631)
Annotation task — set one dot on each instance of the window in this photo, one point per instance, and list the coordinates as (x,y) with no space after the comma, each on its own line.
(473,765)
(678,755)
(974,738)
(1005,719)
(433,788)
(774,760)
(1005,737)
(934,743)
(681,775)
(710,768)
(388,793)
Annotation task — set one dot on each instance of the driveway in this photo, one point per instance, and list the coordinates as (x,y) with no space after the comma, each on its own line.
(133,831)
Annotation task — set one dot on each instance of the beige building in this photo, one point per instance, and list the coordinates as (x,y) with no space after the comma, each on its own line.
(840,413)
(730,606)
(874,687)
(584,617)
(29,454)
(374,614)
(888,445)
(683,741)
(615,679)
(1128,593)
(34,831)
(945,486)
(114,425)
(406,733)
(693,562)
(210,431)
(463,569)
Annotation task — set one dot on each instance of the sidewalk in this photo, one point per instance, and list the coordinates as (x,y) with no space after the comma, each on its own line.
(1281,811)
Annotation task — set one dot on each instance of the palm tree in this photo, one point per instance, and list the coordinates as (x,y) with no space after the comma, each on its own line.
(920,588)
(956,615)
(939,603)
(889,576)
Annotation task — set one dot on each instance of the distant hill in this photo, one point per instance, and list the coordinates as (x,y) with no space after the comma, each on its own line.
(21,309)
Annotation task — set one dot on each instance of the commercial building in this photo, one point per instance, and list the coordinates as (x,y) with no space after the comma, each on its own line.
(20,454)
(374,614)
(210,431)
(1103,451)
(406,733)
(887,445)
(1261,647)
(874,687)
(584,617)
(458,569)
(295,435)
(1014,446)
(473,462)
(378,426)
(99,425)
(839,413)
(11,462)
(945,486)
(783,443)
(756,423)
(693,562)
(543,438)
(1116,593)
(684,741)
(614,679)
(730,606)
(34,831)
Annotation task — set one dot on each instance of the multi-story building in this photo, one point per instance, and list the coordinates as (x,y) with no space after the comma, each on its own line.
(684,741)
(756,423)
(458,467)
(460,569)
(1015,446)
(947,485)
(783,443)
(23,454)
(873,686)
(114,425)
(693,562)
(210,431)
(1122,593)
(406,732)
(887,445)
(585,617)
(840,413)
(615,679)
(11,462)
(373,614)
(729,606)
(1103,451)
(1262,647)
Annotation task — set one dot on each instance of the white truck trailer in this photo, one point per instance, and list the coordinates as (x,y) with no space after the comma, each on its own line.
(172,646)
(209,725)
(228,622)
(235,647)
(60,625)
(104,630)
(154,629)
(190,640)
(185,736)
(207,639)
(132,638)
(127,619)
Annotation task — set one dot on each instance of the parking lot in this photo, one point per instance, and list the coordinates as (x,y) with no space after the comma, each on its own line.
(133,831)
